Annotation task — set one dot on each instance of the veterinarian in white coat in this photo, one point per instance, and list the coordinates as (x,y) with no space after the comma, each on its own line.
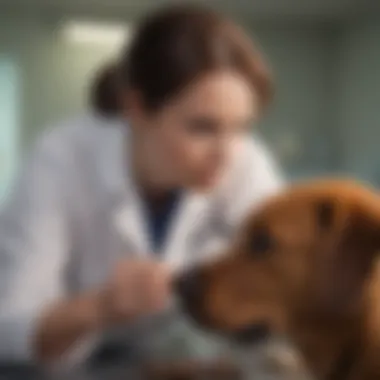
(108,207)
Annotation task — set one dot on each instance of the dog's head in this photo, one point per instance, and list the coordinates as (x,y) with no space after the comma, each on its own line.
(307,253)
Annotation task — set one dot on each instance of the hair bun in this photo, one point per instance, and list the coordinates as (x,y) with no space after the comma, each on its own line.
(104,93)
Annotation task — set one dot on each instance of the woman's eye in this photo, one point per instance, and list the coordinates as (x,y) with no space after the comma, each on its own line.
(261,243)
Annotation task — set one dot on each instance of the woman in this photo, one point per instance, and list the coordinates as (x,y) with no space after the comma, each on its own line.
(111,206)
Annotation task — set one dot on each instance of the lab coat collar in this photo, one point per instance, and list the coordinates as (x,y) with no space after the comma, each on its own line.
(112,158)
(126,208)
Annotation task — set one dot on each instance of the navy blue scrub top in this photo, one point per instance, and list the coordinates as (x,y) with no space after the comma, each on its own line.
(159,218)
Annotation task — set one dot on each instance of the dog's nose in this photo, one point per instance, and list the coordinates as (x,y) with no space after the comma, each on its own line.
(189,285)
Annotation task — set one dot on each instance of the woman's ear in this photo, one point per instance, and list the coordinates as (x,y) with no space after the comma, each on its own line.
(353,229)
(133,104)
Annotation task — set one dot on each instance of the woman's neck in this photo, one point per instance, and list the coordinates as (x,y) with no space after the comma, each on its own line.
(147,176)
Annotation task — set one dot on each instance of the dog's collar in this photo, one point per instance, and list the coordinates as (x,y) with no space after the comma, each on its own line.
(344,365)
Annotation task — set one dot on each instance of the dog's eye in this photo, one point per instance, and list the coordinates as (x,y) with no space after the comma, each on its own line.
(261,243)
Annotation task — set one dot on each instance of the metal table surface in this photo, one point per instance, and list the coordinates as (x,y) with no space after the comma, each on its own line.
(116,372)
(124,370)
(122,362)
(108,365)
(272,360)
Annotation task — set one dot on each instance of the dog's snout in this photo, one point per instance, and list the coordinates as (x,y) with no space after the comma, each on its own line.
(189,286)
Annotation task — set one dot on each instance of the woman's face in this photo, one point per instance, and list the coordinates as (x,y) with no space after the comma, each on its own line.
(189,141)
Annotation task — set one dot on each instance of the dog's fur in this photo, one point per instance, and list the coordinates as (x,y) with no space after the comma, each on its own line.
(306,265)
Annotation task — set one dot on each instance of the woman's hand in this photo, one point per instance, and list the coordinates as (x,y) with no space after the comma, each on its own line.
(135,289)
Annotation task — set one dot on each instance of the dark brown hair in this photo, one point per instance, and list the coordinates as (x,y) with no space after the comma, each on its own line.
(104,95)
(175,46)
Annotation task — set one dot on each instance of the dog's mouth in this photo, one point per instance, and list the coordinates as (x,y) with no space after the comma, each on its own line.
(249,335)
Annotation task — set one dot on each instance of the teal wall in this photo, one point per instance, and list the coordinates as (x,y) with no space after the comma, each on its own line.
(327,89)
(359,100)
(9,121)
(302,63)
(54,74)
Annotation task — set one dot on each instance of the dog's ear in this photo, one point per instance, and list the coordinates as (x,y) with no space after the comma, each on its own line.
(325,211)
(350,243)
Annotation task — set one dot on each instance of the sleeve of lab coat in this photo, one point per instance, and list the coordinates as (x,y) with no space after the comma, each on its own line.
(33,248)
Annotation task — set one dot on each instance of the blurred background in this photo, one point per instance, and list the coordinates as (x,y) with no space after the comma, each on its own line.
(325,55)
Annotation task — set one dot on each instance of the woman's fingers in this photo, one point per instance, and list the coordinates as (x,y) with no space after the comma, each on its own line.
(137,288)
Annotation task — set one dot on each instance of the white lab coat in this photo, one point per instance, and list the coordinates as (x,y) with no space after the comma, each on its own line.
(74,213)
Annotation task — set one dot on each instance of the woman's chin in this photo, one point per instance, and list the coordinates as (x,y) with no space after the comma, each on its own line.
(206,184)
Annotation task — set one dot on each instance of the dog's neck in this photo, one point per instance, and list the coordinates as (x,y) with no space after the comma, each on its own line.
(323,349)
(351,346)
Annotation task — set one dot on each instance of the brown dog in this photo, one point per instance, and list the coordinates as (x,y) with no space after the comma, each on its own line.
(305,265)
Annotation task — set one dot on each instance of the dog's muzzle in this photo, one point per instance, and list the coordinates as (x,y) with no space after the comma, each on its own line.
(190,287)
(253,334)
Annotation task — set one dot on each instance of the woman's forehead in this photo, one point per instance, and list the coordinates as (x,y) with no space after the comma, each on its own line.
(220,95)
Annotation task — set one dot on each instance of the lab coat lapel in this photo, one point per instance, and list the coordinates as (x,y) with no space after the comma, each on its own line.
(190,213)
(130,225)
(126,208)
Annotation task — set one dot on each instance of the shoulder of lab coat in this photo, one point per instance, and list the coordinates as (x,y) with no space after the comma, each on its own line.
(252,179)
(254,176)
(34,210)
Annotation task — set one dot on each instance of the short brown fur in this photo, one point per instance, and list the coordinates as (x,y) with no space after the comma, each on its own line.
(318,280)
